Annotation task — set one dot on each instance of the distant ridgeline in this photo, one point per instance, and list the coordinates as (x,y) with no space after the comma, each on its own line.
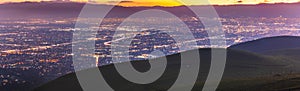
(71,9)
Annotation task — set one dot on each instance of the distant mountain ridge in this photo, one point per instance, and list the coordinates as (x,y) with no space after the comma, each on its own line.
(71,9)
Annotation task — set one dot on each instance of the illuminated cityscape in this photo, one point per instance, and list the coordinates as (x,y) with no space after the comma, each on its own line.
(45,41)
(43,47)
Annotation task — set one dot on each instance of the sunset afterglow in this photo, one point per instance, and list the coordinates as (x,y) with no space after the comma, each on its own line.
(164,2)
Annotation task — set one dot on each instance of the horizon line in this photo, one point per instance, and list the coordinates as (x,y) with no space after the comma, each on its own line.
(238,4)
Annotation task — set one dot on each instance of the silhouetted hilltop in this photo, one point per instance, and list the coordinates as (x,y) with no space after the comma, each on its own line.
(244,71)
(269,44)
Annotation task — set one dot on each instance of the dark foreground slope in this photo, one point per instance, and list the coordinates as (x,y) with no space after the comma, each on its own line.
(245,71)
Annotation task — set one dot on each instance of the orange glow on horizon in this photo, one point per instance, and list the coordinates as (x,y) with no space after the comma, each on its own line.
(167,4)
(164,2)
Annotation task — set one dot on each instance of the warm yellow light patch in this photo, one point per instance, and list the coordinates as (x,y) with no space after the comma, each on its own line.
(153,3)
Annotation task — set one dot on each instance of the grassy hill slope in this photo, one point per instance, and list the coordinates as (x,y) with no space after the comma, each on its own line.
(243,70)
